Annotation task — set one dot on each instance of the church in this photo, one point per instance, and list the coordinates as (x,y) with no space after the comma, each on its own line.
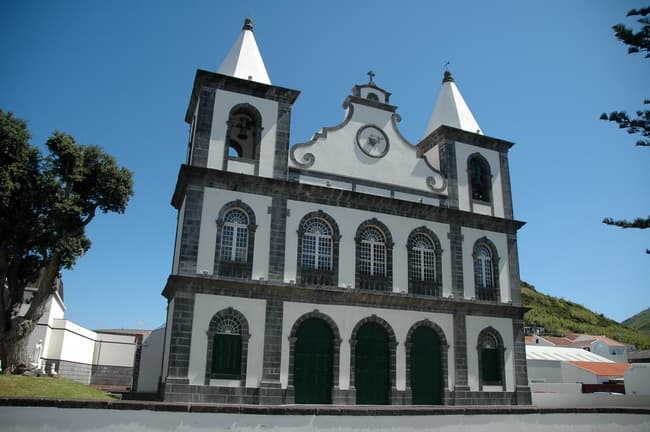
(357,268)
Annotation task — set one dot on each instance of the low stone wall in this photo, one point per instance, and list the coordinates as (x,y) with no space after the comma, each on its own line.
(79,372)
(112,376)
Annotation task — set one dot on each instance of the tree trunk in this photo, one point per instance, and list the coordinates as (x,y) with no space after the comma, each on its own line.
(13,349)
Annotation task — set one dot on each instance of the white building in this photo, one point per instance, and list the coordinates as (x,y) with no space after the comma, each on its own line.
(356,268)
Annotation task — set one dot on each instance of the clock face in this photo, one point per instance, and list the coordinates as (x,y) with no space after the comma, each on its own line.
(372,141)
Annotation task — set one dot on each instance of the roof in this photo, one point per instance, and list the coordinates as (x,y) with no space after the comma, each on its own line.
(603,369)
(540,352)
(244,59)
(577,340)
(124,331)
(451,109)
(609,341)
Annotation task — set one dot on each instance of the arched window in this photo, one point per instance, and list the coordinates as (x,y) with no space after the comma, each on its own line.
(227,346)
(234,236)
(490,358)
(318,243)
(480,178)
(244,132)
(424,267)
(374,257)
(236,229)
(486,271)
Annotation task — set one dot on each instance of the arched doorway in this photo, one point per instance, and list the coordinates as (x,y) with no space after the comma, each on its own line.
(313,362)
(372,365)
(426,370)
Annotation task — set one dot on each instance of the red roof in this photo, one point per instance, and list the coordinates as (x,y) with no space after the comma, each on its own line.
(529,340)
(603,369)
(609,341)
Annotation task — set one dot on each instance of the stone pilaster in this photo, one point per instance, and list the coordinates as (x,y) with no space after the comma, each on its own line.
(202,128)
(282,129)
(513,265)
(508,212)
(190,232)
(456,254)
(448,168)
(180,338)
(279,213)
(270,391)
(522,390)
(461,388)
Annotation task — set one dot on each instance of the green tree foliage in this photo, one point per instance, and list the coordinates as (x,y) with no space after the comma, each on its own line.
(559,317)
(640,321)
(638,42)
(46,202)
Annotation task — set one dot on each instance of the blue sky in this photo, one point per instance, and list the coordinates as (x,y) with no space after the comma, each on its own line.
(119,74)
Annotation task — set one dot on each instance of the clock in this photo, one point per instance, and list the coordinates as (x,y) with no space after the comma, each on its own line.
(372,141)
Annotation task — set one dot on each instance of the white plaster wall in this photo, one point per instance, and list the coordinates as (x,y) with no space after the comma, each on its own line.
(213,201)
(574,374)
(114,350)
(151,361)
(205,306)
(224,101)
(602,349)
(347,317)
(547,371)
(476,324)
(177,241)
(337,153)
(463,151)
(71,342)
(348,221)
(500,241)
(637,379)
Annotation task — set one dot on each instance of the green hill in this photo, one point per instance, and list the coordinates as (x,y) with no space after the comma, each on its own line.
(559,316)
(640,321)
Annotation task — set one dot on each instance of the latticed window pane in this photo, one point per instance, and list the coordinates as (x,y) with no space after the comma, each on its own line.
(234,236)
(423,259)
(372,252)
(317,245)
(228,325)
(483,268)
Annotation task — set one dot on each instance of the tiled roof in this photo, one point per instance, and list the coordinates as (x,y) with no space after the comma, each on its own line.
(603,369)
(540,352)
(609,341)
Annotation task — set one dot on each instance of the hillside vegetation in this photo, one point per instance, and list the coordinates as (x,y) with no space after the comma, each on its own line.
(640,321)
(559,317)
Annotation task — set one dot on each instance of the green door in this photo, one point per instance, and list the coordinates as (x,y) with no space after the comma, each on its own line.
(426,373)
(312,376)
(371,365)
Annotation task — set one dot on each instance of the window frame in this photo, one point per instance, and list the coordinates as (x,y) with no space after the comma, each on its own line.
(486,293)
(229,267)
(373,281)
(421,286)
(316,277)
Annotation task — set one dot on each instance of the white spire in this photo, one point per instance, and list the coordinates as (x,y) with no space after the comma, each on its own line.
(244,59)
(451,109)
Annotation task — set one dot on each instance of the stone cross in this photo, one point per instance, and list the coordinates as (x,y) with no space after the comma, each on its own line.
(371,74)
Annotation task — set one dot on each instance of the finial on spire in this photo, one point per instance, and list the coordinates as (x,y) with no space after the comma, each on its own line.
(371,75)
(447,77)
(248,24)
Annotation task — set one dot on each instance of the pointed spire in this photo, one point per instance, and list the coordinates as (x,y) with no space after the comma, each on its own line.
(244,59)
(451,109)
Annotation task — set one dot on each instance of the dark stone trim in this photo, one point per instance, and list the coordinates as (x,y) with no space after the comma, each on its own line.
(513,266)
(188,286)
(252,88)
(205,177)
(456,254)
(245,336)
(331,278)
(230,268)
(493,294)
(371,103)
(392,347)
(417,286)
(455,134)
(277,248)
(200,143)
(519,357)
(180,337)
(447,155)
(487,332)
(282,132)
(506,189)
(190,231)
(460,351)
(444,352)
(308,159)
(270,383)
(336,349)
(371,282)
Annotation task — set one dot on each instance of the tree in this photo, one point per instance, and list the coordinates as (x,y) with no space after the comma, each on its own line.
(637,42)
(46,202)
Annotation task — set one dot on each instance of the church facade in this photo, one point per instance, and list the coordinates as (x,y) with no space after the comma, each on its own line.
(355,268)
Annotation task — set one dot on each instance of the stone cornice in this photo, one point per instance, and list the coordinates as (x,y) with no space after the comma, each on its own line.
(214,285)
(253,88)
(452,133)
(205,177)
